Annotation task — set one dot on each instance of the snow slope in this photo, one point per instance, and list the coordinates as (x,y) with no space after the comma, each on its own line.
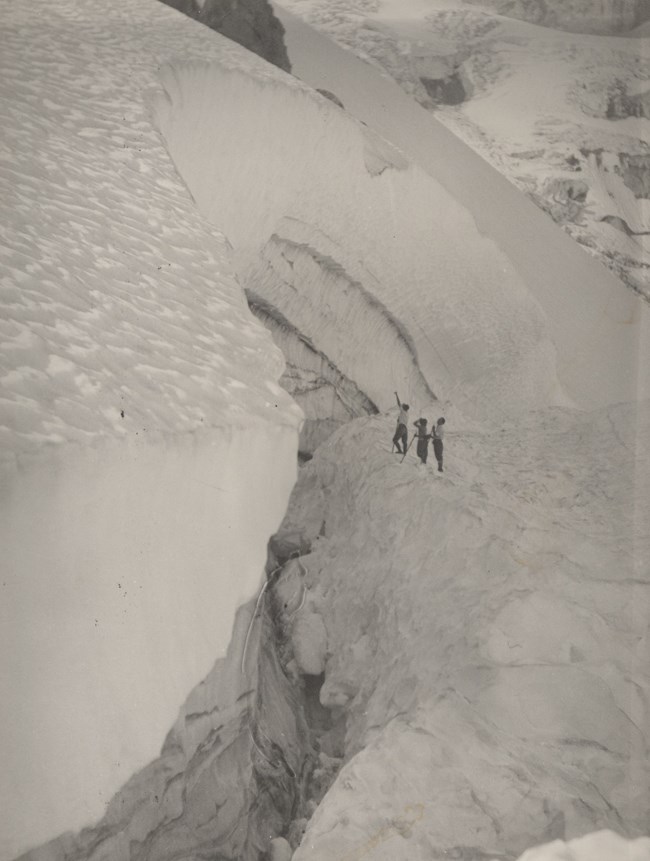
(560,113)
(147,451)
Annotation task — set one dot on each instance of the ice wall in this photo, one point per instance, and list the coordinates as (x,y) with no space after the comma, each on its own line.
(365,254)
(147,449)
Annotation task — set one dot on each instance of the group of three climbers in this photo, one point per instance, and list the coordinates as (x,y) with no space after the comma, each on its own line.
(401,435)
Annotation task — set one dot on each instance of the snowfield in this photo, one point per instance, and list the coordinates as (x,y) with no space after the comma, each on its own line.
(441,665)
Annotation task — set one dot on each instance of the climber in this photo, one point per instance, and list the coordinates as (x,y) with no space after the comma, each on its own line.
(401,433)
(437,434)
(423,439)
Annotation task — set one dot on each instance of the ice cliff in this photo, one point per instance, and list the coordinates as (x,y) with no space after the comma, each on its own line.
(147,450)
(438,665)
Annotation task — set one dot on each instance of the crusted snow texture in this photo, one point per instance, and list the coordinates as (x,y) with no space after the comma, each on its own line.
(140,413)
(487,635)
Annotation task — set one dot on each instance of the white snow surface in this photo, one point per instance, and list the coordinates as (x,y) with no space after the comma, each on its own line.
(146,450)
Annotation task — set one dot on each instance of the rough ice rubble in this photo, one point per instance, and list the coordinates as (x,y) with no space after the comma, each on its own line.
(147,451)
(487,636)
(460,723)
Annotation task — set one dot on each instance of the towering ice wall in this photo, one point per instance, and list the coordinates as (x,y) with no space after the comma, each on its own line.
(147,450)
(601,332)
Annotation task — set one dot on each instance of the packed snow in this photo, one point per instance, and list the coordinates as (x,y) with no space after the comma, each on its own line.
(147,450)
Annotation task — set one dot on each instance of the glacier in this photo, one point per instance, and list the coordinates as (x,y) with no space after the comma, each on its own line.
(150,453)
(555,96)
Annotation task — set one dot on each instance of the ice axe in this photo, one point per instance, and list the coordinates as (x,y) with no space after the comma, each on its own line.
(407,449)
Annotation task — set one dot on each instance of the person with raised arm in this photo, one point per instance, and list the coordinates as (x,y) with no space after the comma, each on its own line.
(401,433)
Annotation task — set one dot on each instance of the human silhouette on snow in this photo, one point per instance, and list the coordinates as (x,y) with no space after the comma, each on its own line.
(423,438)
(437,434)
(401,433)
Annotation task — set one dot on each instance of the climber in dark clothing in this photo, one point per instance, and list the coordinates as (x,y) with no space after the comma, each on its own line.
(423,439)
(401,433)
(437,434)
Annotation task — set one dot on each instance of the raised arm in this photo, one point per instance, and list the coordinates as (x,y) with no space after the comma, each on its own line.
(397,399)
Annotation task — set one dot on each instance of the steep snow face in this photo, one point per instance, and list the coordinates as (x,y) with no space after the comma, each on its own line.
(366,255)
(482,635)
(147,449)
(532,99)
